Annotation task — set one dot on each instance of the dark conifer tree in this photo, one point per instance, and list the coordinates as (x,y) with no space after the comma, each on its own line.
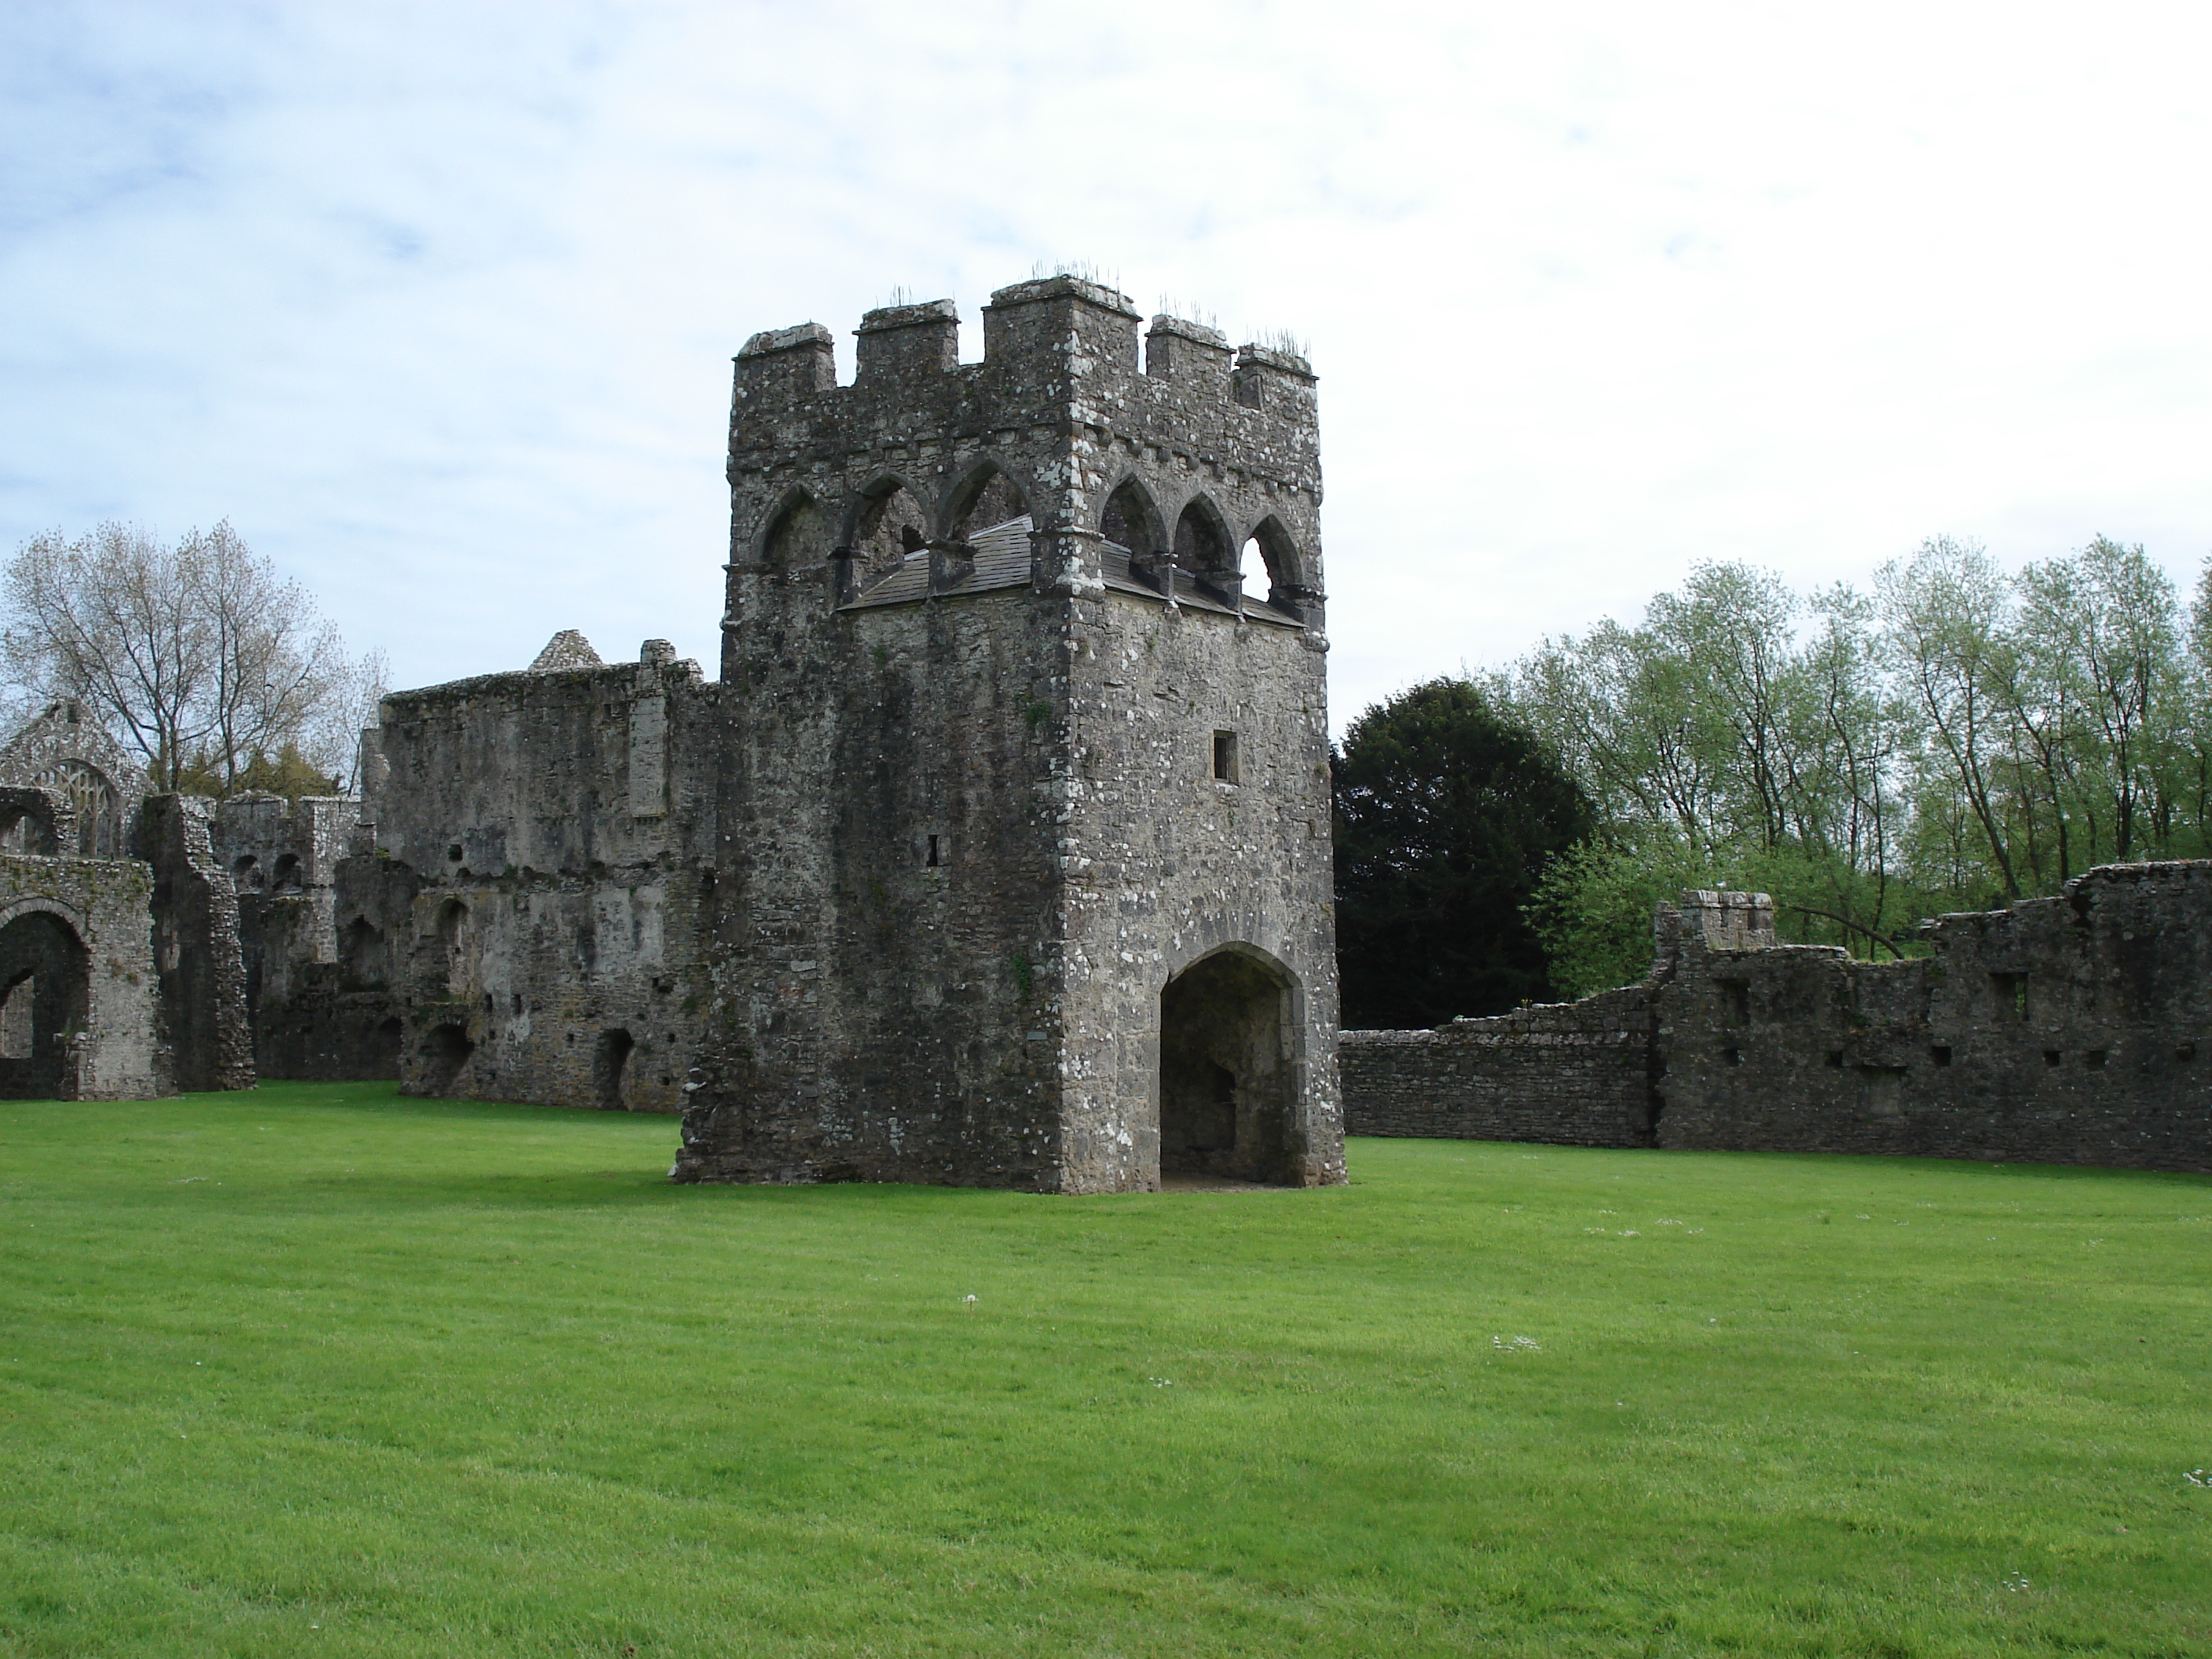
(1445,813)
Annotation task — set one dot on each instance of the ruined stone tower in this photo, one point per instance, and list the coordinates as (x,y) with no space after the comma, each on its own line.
(1023,865)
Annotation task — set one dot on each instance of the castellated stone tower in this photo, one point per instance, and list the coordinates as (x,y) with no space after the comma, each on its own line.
(1025,867)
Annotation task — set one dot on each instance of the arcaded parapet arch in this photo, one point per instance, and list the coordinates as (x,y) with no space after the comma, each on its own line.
(1288,589)
(1202,545)
(890,525)
(985,496)
(1131,519)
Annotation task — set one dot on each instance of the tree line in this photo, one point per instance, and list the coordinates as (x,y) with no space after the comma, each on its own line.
(1953,737)
(216,669)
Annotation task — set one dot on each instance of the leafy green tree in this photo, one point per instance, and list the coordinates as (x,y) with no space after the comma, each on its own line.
(1447,811)
(1955,739)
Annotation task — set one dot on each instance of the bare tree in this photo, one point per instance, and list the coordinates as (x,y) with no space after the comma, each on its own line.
(201,656)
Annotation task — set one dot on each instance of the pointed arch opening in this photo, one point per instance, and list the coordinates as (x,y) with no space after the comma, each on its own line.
(983,500)
(1201,541)
(1226,1079)
(889,527)
(1132,520)
(1279,554)
(797,537)
(610,1070)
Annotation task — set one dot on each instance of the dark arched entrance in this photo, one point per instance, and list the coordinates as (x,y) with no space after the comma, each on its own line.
(1226,1070)
(46,981)
(609,1060)
(446,1049)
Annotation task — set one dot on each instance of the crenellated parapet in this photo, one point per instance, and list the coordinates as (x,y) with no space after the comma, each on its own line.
(1186,458)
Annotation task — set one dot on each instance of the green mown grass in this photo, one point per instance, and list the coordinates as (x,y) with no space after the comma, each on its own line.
(318,1369)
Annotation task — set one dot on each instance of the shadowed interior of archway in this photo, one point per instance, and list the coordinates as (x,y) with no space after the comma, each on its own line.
(45,969)
(1225,1074)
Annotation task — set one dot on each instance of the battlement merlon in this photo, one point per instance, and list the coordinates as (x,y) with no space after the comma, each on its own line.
(1058,350)
(1191,456)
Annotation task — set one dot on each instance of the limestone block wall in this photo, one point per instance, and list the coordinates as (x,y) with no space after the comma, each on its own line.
(86,936)
(882,976)
(1164,861)
(1573,1073)
(2075,1029)
(195,949)
(534,906)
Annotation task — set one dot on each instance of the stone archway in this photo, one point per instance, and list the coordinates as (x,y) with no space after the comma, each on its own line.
(1226,1072)
(445,1050)
(610,1061)
(45,993)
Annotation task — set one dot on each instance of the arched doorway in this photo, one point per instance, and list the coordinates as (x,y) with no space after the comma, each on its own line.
(45,983)
(609,1060)
(446,1049)
(1226,1070)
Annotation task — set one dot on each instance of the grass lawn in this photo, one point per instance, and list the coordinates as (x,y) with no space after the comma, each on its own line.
(319,1370)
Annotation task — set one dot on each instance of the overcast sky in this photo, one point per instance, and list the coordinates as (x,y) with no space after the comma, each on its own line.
(437,303)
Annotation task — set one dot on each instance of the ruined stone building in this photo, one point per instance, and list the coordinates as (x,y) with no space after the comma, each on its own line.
(998,853)
(2073,1030)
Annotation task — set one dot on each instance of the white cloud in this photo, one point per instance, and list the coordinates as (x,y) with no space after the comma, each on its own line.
(437,303)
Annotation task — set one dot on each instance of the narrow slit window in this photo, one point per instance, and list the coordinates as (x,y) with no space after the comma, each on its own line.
(1224,757)
(936,853)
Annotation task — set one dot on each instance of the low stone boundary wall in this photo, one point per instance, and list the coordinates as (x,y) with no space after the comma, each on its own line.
(1576,1073)
(2076,1030)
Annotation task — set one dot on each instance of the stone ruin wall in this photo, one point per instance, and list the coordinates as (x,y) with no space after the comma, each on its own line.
(196,955)
(1571,1073)
(284,865)
(109,1045)
(64,749)
(2075,1029)
(525,917)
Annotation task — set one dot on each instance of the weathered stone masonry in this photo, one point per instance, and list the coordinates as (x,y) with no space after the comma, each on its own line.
(528,921)
(118,936)
(2076,1030)
(1023,859)
(999,855)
